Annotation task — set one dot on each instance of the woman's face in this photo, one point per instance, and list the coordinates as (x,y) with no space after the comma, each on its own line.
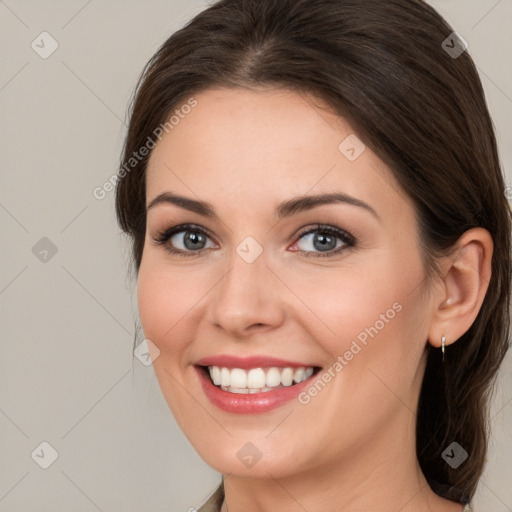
(265,280)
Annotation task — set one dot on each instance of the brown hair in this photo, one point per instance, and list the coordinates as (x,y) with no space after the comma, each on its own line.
(382,66)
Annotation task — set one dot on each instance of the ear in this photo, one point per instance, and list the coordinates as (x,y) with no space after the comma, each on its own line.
(459,297)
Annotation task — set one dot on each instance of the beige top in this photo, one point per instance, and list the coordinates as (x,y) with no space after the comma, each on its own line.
(214,502)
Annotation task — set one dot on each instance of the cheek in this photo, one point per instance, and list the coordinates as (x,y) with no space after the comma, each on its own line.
(342,304)
(149,300)
(163,301)
(366,313)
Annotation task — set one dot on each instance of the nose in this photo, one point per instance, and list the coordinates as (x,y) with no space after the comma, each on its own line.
(248,298)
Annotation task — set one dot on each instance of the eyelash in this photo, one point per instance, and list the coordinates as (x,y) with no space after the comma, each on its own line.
(162,237)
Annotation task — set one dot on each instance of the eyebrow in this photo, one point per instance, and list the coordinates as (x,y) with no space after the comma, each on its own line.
(285,209)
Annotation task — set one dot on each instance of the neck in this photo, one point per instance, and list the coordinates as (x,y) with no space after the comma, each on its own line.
(380,475)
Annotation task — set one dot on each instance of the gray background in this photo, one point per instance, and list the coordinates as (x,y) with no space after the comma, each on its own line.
(67,375)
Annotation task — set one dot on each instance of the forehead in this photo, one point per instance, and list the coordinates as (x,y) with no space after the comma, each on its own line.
(264,145)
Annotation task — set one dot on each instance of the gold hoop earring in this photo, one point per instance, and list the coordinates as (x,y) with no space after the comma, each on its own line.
(443,341)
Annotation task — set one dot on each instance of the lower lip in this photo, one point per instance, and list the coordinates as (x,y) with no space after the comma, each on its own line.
(250,403)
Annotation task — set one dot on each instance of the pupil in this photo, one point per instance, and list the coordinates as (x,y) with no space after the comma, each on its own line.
(194,238)
(322,239)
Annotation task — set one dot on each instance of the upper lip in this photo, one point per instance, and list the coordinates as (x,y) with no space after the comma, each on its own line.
(231,361)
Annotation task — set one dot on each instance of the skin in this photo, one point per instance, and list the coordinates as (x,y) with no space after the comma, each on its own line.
(352,447)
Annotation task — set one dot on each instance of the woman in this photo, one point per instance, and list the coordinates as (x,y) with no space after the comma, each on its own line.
(322,247)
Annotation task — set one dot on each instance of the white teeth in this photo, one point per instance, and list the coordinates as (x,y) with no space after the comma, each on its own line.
(215,374)
(256,380)
(225,379)
(299,375)
(287,376)
(238,378)
(273,377)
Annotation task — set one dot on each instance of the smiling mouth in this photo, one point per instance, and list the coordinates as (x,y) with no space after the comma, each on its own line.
(257,380)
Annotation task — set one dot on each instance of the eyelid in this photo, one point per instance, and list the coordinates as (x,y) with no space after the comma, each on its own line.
(326,228)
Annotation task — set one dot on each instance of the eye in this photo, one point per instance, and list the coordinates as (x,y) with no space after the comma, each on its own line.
(184,240)
(189,240)
(324,238)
